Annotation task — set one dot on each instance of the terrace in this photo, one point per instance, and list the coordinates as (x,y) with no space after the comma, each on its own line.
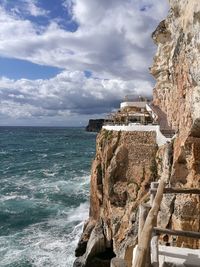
(140,115)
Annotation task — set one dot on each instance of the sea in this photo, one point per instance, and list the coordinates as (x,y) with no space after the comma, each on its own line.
(44,194)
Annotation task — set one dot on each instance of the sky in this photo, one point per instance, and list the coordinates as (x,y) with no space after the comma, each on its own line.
(63,62)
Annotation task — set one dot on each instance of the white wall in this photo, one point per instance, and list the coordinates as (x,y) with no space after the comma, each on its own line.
(133,104)
(177,256)
(160,138)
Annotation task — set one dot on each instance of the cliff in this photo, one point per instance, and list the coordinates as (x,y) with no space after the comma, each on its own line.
(121,174)
(94,125)
(126,162)
(176,66)
(177,92)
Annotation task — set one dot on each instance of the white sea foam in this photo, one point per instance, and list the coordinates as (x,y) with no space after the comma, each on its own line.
(44,155)
(77,186)
(10,197)
(80,213)
(49,173)
(58,154)
(31,171)
(46,246)
(2,152)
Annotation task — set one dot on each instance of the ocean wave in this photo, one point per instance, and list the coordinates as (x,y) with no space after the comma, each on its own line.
(79,214)
(62,154)
(49,173)
(2,152)
(74,185)
(44,189)
(31,171)
(49,188)
(45,246)
(44,155)
(10,197)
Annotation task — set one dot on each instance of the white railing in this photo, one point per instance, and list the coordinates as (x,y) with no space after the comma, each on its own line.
(151,111)
(138,104)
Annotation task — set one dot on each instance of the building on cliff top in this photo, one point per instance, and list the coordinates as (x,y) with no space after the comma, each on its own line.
(139,114)
(132,110)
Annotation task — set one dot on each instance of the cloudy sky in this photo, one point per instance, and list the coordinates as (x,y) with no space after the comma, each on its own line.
(65,61)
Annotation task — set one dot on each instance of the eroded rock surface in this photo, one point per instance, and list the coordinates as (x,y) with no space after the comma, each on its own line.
(177,92)
(176,66)
(121,176)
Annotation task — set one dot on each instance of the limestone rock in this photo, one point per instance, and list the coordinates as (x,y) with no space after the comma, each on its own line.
(95,246)
(176,68)
(117,262)
(82,244)
(120,178)
(94,125)
(166,210)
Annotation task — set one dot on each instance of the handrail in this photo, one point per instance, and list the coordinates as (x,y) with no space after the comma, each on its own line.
(171,190)
(150,231)
(191,234)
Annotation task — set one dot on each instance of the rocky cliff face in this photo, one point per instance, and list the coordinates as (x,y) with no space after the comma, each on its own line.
(126,162)
(121,174)
(177,92)
(176,66)
(94,125)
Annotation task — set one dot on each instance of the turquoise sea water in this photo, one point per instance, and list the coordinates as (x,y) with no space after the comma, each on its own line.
(44,192)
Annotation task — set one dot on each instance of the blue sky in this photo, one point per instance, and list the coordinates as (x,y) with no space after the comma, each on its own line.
(65,61)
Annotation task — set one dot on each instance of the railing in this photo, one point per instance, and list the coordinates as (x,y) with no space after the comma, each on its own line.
(146,252)
(110,123)
(149,250)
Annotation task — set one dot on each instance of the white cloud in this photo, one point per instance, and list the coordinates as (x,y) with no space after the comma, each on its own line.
(112,36)
(67,93)
(33,8)
(68,5)
(26,7)
(113,41)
